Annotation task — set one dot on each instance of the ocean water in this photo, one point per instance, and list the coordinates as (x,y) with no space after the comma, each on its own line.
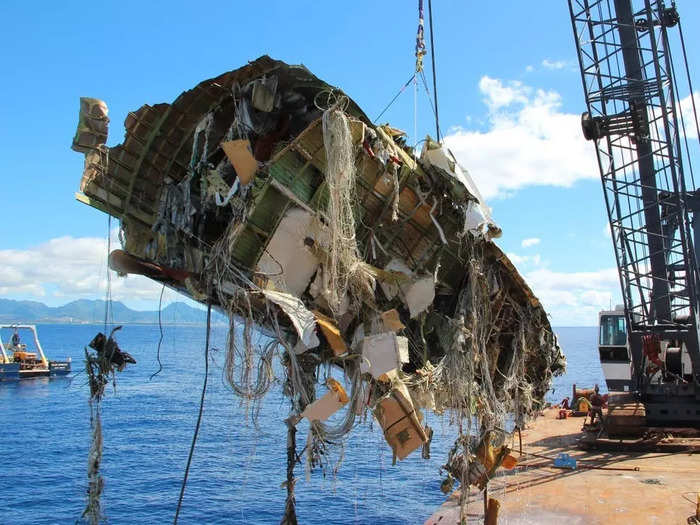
(237,467)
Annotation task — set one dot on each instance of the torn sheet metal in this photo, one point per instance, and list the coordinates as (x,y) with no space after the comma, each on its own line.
(392,321)
(332,401)
(240,155)
(264,93)
(92,125)
(478,216)
(382,353)
(303,320)
(397,273)
(288,262)
(332,334)
(420,295)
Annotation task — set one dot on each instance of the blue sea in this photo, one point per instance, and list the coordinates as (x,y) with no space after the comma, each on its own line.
(237,468)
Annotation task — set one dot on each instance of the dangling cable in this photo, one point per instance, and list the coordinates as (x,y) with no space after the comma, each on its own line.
(199,417)
(108,292)
(160,341)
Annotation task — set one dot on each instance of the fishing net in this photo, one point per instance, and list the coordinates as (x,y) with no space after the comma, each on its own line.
(344,272)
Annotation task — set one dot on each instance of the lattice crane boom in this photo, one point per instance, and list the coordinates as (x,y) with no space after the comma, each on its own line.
(634,118)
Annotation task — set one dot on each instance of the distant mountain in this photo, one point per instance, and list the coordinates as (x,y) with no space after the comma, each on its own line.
(93,311)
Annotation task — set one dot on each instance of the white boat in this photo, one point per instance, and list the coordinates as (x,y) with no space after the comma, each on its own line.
(20,361)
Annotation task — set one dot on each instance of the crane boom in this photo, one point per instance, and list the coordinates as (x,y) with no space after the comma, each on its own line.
(633,116)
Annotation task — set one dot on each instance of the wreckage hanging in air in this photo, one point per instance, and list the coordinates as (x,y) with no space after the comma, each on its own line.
(270,195)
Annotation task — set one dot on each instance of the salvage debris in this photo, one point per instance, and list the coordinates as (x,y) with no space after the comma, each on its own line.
(100,367)
(241,158)
(392,321)
(329,404)
(109,358)
(270,195)
(332,334)
(382,353)
(401,423)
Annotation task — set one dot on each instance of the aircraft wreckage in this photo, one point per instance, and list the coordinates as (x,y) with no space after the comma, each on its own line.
(270,195)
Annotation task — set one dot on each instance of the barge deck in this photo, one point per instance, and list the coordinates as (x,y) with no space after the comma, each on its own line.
(656,486)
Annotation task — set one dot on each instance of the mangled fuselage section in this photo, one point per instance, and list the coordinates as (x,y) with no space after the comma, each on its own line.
(269,194)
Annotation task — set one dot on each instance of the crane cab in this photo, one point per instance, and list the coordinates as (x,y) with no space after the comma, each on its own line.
(613,350)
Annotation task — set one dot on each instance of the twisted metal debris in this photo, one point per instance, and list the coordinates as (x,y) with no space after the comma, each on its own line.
(100,366)
(335,247)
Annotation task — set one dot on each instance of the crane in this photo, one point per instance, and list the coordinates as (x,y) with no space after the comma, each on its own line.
(635,119)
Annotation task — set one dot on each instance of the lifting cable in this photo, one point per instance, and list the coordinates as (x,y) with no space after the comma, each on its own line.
(432,57)
(199,417)
(420,52)
(395,97)
(430,100)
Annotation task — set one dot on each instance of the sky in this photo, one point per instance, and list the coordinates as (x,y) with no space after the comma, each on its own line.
(509,99)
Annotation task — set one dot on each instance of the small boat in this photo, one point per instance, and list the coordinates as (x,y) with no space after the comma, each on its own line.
(17,361)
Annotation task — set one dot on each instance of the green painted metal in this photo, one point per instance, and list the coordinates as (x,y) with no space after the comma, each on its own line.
(300,177)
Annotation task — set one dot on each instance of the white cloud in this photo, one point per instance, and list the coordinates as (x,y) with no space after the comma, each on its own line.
(570,298)
(529,141)
(686,105)
(522,260)
(596,298)
(554,64)
(498,95)
(70,268)
(606,231)
(529,69)
(532,241)
(575,298)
